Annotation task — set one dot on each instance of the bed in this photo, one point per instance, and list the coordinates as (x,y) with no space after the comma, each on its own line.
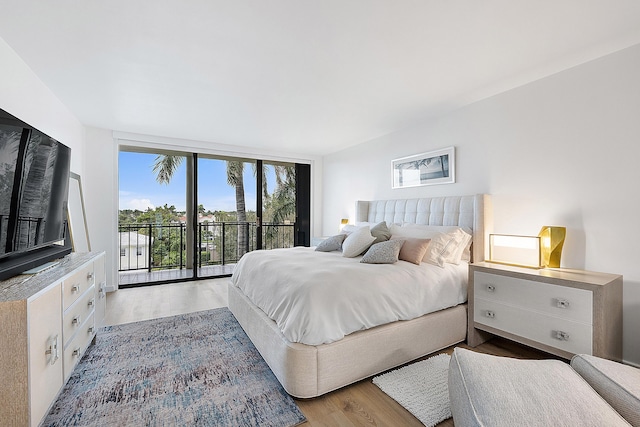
(310,370)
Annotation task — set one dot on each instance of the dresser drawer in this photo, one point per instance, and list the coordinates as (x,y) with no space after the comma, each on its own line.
(76,285)
(77,314)
(570,336)
(559,301)
(74,350)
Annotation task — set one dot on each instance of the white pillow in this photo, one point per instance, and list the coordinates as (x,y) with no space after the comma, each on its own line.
(349,228)
(363,223)
(357,242)
(463,247)
(433,229)
(447,248)
(422,231)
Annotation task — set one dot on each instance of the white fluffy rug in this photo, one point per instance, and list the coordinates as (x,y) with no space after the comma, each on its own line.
(421,388)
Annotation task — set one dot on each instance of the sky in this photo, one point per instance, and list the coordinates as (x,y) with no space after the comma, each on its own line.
(138,188)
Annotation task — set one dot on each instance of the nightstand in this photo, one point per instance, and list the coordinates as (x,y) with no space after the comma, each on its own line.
(557,310)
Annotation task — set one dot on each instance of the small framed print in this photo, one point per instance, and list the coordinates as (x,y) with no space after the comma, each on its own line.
(434,167)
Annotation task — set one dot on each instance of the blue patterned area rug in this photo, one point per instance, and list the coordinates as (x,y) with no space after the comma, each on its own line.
(197,369)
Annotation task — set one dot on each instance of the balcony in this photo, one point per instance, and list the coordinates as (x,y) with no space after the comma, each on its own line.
(159,252)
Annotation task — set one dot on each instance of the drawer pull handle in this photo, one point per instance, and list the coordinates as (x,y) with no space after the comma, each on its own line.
(91,302)
(490,314)
(90,275)
(90,330)
(75,320)
(562,336)
(75,289)
(562,303)
(76,352)
(491,288)
(52,350)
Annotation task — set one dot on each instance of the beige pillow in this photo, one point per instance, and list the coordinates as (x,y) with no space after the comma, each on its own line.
(422,231)
(412,250)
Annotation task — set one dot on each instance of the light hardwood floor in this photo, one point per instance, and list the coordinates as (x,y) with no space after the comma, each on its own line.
(150,302)
(360,404)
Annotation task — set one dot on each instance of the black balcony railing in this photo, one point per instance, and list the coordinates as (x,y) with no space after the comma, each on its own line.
(163,247)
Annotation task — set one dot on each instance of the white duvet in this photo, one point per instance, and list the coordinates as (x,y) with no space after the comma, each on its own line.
(319,297)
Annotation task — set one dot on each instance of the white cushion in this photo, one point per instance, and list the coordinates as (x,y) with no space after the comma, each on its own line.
(357,242)
(462,246)
(617,383)
(487,390)
(447,248)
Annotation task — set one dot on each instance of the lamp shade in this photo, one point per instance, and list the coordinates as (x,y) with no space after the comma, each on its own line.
(510,249)
(551,242)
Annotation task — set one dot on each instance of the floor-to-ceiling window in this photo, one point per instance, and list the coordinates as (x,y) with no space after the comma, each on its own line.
(226,220)
(152,220)
(185,216)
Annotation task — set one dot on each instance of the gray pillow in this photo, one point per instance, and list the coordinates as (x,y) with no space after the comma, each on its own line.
(383,252)
(333,243)
(381,232)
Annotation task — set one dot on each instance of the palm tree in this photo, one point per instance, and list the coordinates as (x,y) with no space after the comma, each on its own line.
(283,200)
(165,166)
(235,179)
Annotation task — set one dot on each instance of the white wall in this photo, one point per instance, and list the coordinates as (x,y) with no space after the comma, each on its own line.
(564,150)
(24,95)
(100,187)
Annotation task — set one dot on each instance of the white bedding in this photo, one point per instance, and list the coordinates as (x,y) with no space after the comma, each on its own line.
(319,297)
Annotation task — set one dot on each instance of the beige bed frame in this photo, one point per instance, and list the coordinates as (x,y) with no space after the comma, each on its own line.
(307,371)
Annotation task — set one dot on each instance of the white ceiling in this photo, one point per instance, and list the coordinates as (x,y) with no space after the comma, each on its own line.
(301,76)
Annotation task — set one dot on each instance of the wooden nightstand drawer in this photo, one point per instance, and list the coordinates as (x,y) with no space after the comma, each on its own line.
(563,334)
(560,301)
(559,310)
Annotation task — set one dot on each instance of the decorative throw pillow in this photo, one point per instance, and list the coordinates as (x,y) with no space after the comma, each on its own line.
(463,246)
(383,252)
(357,242)
(349,228)
(381,232)
(447,248)
(333,243)
(413,250)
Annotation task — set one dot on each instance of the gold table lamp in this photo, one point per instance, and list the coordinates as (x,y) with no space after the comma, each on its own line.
(551,241)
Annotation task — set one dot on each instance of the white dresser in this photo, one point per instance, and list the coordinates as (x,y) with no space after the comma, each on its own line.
(47,322)
(560,311)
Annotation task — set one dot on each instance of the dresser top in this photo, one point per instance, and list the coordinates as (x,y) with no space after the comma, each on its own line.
(566,274)
(25,286)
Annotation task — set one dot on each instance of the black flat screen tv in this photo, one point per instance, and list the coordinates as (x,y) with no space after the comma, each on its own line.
(34,194)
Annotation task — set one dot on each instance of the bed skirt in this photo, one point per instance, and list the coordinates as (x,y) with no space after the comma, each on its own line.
(307,371)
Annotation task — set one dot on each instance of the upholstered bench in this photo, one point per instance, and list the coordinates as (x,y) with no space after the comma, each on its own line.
(489,390)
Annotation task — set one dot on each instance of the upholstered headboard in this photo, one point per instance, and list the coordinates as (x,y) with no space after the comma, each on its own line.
(470,212)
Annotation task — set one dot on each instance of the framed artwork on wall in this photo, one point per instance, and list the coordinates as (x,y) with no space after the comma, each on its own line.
(433,167)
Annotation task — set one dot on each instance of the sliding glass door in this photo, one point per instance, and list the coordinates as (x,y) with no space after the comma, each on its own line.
(152,220)
(278,205)
(185,216)
(226,219)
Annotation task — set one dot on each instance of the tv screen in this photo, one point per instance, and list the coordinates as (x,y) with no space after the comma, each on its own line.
(34,187)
